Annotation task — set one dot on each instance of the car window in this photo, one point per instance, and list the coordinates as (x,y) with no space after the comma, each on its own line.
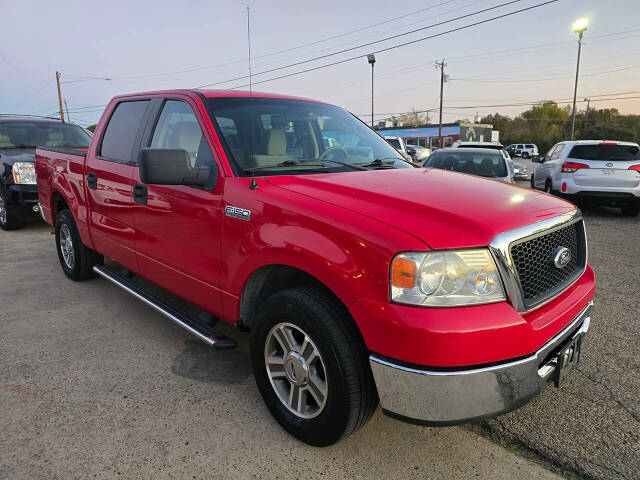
(609,152)
(529,145)
(122,130)
(35,133)
(489,164)
(557,153)
(178,128)
(394,142)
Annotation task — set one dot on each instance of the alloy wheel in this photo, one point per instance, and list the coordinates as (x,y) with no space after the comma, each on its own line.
(296,370)
(66,246)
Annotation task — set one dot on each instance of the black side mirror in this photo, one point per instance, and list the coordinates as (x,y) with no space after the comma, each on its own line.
(163,166)
(536,159)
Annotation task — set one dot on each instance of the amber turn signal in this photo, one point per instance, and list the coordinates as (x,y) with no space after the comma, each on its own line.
(403,273)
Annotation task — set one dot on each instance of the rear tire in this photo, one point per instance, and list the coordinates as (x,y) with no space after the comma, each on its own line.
(8,219)
(341,367)
(533,182)
(525,155)
(548,188)
(631,210)
(77,261)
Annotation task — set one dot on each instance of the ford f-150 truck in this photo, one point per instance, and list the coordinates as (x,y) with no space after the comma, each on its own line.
(443,296)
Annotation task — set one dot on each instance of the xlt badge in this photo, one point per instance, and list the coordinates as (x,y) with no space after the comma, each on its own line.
(237,212)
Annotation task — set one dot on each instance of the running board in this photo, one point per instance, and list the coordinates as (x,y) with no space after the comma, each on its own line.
(186,320)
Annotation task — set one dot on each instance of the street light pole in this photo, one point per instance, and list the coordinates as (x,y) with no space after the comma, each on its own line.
(372,60)
(441,65)
(579,26)
(59,96)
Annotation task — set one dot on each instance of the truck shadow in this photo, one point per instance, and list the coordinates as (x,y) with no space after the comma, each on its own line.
(204,364)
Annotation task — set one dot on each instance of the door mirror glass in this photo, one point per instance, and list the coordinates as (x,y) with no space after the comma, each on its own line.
(163,166)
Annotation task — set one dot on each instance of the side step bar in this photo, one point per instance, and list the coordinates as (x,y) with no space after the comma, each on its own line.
(186,320)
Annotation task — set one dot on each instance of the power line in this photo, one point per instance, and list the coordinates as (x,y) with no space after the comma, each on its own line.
(402,44)
(31,95)
(339,52)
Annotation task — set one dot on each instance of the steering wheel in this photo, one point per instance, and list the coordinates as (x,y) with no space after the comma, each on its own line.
(329,150)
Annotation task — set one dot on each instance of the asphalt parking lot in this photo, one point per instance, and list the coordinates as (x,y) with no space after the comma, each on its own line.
(95,384)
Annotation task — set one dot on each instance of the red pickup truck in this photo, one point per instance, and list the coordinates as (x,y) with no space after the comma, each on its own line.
(445,297)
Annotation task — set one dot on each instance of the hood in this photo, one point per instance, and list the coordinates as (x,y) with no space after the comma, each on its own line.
(443,209)
(11,155)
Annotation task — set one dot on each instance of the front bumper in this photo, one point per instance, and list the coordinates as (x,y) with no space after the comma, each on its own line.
(452,396)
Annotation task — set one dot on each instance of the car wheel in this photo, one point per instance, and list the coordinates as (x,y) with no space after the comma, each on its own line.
(533,182)
(547,187)
(525,155)
(631,210)
(77,260)
(8,220)
(311,366)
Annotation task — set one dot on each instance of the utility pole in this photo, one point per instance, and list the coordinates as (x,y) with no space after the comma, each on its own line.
(59,96)
(372,60)
(579,27)
(586,115)
(441,66)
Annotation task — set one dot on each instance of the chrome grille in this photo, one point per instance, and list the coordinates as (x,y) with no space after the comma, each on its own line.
(533,259)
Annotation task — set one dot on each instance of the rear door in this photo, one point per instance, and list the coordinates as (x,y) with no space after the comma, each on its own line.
(108,176)
(178,229)
(609,164)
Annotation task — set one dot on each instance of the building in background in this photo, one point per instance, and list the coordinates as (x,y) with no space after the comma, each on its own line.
(427,135)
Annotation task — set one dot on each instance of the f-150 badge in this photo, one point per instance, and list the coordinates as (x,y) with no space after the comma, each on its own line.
(237,212)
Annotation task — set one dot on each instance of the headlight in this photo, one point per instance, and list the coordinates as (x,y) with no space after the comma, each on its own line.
(446,278)
(24,173)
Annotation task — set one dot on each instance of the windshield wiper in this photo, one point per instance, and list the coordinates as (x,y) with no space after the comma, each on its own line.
(286,163)
(19,146)
(380,162)
(355,166)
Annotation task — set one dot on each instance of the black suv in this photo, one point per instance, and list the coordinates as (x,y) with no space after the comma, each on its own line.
(19,137)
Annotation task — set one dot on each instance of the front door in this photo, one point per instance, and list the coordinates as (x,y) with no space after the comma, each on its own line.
(108,177)
(178,230)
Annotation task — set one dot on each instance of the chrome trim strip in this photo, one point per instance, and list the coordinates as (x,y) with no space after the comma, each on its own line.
(449,397)
(204,338)
(500,248)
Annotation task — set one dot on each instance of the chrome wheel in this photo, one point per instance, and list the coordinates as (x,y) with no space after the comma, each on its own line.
(66,246)
(3,211)
(296,370)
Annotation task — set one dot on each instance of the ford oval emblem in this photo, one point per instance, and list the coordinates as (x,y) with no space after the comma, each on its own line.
(561,257)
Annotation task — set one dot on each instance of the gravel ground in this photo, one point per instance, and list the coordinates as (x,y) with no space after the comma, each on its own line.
(591,426)
(94,384)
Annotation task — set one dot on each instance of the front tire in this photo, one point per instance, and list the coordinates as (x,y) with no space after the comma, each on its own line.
(8,219)
(311,366)
(77,261)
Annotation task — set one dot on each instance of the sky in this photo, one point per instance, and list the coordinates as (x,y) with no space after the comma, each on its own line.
(497,66)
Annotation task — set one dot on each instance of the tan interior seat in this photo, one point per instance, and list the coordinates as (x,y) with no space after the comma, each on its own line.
(275,148)
(5,141)
(187,137)
(54,138)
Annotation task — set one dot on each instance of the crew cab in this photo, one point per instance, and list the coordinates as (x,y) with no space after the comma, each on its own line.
(443,296)
(19,136)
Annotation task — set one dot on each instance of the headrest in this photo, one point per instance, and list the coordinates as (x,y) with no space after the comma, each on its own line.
(189,134)
(276,142)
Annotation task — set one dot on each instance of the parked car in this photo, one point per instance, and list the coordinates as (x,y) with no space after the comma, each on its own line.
(524,150)
(592,172)
(483,162)
(492,145)
(19,136)
(447,297)
(400,145)
(520,172)
(418,153)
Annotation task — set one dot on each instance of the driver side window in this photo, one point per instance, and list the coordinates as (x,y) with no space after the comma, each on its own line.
(178,128)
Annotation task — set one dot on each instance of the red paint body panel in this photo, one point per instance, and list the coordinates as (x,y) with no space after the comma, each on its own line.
(341,228)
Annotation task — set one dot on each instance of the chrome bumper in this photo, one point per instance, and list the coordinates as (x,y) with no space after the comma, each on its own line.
(450,397)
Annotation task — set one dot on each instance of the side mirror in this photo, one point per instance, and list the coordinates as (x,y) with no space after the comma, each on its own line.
(536,159)
(163,166)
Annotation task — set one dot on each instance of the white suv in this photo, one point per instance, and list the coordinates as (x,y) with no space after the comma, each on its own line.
(524,150)
(592,171)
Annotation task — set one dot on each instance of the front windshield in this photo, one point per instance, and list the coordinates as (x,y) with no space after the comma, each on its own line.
(487,163)
(34,133)
(281,136)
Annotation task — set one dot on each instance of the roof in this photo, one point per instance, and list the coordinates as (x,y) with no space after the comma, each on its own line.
(221,93)
(28,119)
(597,142)
(469,150)
(480,144)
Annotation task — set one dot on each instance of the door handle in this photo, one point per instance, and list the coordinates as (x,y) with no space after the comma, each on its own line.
(140,194)
(92,180)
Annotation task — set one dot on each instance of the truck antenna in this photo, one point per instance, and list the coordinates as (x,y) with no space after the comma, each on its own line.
(253,185)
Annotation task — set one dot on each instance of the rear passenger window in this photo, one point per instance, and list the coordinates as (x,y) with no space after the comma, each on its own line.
(122,130)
